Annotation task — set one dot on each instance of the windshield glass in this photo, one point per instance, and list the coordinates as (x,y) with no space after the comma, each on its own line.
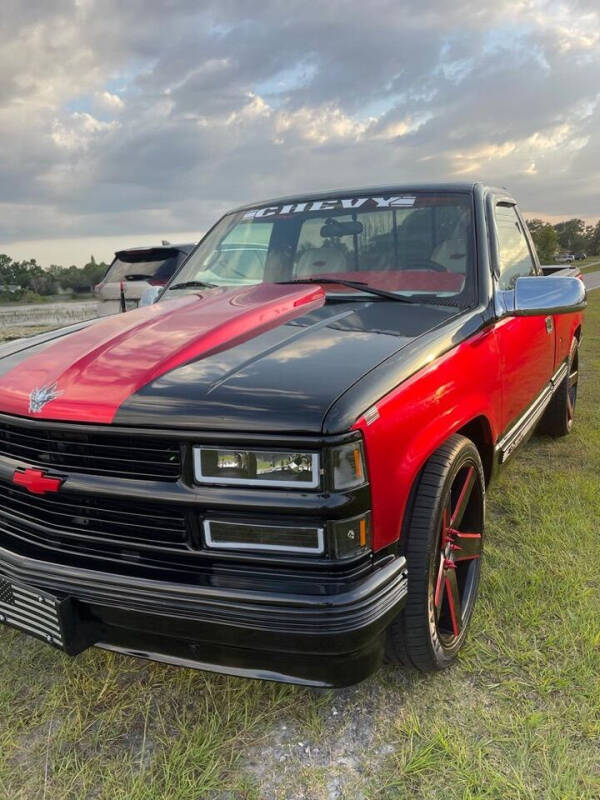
(158,265)
(414,244)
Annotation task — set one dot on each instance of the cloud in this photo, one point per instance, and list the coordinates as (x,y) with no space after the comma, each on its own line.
(109,102)
(139,116)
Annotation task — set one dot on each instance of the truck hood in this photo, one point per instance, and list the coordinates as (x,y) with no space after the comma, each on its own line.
(262,358)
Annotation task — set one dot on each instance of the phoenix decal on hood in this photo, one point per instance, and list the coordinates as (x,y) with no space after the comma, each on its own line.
(41,397)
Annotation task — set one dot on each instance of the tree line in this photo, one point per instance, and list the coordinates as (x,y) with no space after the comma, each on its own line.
(29,282)
(569,236)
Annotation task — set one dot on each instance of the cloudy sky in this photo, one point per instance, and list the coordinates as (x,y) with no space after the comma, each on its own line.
(128,121)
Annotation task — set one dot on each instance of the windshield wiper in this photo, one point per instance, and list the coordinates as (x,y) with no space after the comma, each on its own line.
(192,285)
(361,285)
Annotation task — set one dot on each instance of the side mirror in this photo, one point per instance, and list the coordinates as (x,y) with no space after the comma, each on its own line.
(540,295)
(150,295)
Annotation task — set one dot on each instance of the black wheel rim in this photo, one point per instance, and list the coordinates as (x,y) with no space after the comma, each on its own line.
(458,555)
(572,387)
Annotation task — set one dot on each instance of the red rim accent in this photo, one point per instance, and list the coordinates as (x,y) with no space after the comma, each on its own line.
(456,548)
(451,592)
(463,498)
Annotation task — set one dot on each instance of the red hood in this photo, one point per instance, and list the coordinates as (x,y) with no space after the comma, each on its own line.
(95,369)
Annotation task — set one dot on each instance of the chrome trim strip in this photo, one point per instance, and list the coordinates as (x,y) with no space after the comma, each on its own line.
(282,548)
(523,426)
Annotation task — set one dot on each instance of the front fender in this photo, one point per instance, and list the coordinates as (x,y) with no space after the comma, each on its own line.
(419,415)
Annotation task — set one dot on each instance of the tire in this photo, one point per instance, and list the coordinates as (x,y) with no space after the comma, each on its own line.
(443,549)
(558,417)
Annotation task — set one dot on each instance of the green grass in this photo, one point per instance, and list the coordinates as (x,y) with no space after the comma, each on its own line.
(517,717)
(9,333)
(590,264)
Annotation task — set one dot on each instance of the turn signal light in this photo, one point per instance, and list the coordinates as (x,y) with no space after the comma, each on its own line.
(351,537)
(348,465)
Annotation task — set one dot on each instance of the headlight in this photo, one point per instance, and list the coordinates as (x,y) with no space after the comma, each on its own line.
(348,465)
(256,467)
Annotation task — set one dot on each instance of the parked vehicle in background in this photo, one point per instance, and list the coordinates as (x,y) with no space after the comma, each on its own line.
(562,269)
(236,263)
(565,258)
(280,469)
(580,256)
(136,269)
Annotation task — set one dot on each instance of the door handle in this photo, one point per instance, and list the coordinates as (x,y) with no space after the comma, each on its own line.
(549,325)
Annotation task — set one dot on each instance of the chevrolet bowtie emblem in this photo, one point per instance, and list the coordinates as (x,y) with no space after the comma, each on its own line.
(36,481)
(39,397)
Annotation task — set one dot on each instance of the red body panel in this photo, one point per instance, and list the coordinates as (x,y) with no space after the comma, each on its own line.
(97,368)
(419,415)
(526,363)
(496,374)
(566,326)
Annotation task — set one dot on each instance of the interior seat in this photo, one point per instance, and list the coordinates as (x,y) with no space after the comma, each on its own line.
(318,260)
(451,254)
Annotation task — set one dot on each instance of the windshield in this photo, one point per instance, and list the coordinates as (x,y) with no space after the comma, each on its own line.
(155,265)
(417,244)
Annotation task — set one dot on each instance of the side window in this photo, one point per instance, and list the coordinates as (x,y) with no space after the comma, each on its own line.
(513,250)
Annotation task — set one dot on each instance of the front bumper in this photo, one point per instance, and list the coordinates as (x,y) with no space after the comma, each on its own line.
(318,640)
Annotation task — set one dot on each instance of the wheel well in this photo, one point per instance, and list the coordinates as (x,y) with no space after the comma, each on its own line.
(479,432)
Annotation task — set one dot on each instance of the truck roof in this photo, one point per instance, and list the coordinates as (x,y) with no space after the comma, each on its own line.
(402,188)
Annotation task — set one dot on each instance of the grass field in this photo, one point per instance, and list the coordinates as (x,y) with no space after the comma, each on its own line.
(590,264)
(517,717)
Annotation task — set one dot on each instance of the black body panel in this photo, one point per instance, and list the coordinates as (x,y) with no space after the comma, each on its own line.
(317,640)
(286,379)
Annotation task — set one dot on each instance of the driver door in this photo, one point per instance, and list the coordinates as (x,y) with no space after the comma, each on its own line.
(526,344)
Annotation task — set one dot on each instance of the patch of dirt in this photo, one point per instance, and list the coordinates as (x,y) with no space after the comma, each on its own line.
(35,740)
(294,763)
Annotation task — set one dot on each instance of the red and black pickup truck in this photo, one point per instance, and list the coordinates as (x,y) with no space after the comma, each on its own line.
(279,470)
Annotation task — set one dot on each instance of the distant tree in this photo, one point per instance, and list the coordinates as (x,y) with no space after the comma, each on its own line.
(43,284)
(94,272)
(81,280)
(545,239)
(593,240)
(19,273)
(36,282)
(571,235)
(535,225)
